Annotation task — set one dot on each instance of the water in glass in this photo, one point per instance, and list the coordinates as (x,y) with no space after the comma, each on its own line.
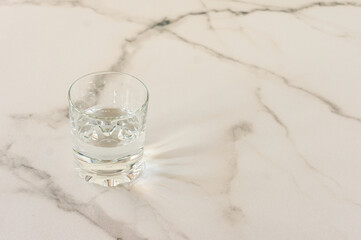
(107,142)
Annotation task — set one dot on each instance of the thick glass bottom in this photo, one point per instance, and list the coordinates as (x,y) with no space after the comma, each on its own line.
(110,173)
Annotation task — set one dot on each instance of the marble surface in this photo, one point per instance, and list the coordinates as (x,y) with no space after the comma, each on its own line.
(254,125)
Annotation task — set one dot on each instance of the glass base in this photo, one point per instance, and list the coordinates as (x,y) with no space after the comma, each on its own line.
(123,171)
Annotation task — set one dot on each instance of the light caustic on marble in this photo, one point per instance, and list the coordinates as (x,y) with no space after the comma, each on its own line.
(289,69)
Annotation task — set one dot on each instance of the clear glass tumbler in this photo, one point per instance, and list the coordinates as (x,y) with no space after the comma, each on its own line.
(107,113)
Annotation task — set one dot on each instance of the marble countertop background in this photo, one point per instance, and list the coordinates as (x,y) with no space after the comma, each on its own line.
(254,125)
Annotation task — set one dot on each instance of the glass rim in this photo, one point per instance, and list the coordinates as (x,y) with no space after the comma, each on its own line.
(104,73)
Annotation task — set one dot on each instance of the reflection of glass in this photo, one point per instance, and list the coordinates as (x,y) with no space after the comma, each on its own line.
(107,114)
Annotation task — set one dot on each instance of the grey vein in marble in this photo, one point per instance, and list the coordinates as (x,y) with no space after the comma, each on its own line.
(304,159)
(239,192)
(333,107)
(53,119)
(70,3)
(119,64)
(50,190)
(274,115)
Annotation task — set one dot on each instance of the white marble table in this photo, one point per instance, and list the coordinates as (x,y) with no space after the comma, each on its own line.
(254,125)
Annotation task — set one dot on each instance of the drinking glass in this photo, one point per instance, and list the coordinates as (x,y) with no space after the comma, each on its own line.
(108,113)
